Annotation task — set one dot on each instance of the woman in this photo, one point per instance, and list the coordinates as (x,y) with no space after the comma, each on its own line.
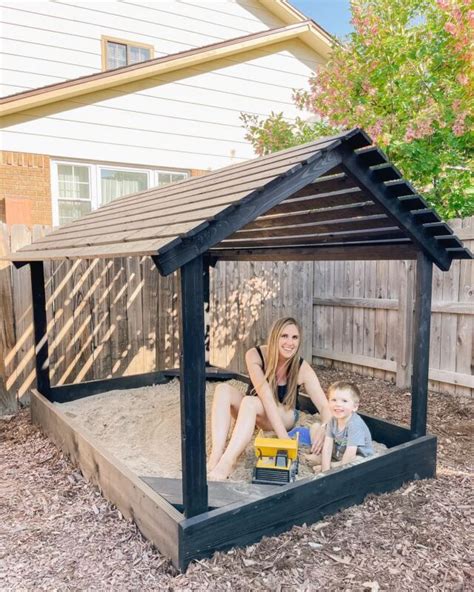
(276,371)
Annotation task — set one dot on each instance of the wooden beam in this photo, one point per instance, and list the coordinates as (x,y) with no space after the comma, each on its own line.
(206,281)
(395,250)
(462,308)
(405,323)
(307,224)
(412,202)
(193,389)
(449,241)
(460,253)
(421,355)
(349,358)
(156,519)
(386,172)
(270,220)
(357,138)
(323,239)
(306,501)
(378,303)
(40,324)
(450,377)
(323,186)
(350,197)
(425,216)
(71,392)
(400,187)
(382,194)
(439,229)
(254,205)
(212,373)
(371,156)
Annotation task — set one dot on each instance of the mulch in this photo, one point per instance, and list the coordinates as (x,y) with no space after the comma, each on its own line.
(58,533)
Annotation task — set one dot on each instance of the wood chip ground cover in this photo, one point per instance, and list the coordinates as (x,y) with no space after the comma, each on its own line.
(58,533)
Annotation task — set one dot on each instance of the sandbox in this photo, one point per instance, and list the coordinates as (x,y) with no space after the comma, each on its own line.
(127,440)
(141,428)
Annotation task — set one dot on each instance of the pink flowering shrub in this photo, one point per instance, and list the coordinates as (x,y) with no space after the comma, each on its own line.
(405,75)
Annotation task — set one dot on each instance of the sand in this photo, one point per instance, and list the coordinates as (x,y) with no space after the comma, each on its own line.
(141,427)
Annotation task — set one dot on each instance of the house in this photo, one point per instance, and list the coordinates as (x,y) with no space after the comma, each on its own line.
(105,99)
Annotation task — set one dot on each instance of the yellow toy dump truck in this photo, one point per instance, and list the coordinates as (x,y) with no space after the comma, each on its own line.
(277,460)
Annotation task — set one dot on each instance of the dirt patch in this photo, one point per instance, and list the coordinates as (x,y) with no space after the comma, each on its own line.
(58,533)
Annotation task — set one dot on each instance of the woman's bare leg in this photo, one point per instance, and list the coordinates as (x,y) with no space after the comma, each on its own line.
(225,404)
(250,409)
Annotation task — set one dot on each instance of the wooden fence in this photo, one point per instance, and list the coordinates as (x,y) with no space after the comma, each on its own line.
(104,319)
(359,317)
(115,317)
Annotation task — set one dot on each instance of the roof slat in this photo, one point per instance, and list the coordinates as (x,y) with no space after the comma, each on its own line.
(316,203)
(437,228)
(323,238)
(314,228)
(370,156)
(270,220)
(399,187)
(168,232)
(459,253)
(385,172)
(425,216)
(412,202)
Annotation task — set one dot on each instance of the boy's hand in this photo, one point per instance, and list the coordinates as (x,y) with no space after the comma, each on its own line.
(318,439)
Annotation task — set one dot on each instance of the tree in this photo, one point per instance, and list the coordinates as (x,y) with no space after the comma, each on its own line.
(404,75)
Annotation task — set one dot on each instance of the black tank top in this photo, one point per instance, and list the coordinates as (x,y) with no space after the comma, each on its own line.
(282,388)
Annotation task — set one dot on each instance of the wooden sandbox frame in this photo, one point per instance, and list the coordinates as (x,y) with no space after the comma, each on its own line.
(353,205)
(239,523)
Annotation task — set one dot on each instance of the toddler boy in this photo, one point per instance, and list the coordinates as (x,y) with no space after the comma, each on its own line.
(347,435)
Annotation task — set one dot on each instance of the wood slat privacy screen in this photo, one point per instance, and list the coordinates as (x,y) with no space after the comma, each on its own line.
(115,317)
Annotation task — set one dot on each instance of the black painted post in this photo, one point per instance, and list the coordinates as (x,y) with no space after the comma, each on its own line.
(193,389)
(207,307)
(421,351)
(40,324)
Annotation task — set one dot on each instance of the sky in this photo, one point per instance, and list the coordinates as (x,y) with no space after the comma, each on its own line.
(332,15)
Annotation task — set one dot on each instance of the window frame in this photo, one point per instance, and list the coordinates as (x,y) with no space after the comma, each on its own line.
(105,39)
(95,189)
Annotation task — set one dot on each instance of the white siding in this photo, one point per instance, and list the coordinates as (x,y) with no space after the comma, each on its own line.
(40,36)
(186,120)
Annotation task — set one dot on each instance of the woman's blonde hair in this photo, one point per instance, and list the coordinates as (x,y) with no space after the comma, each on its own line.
(293,364)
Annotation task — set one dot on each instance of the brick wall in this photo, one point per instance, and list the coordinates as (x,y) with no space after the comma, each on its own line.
(199,172)
(25,188)
(25,194)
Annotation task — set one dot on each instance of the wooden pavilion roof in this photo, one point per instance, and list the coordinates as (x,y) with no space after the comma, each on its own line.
(335,198)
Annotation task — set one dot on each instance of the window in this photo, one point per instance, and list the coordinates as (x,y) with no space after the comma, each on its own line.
(115,183)
(118,52)
(74,195)
(79,188)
